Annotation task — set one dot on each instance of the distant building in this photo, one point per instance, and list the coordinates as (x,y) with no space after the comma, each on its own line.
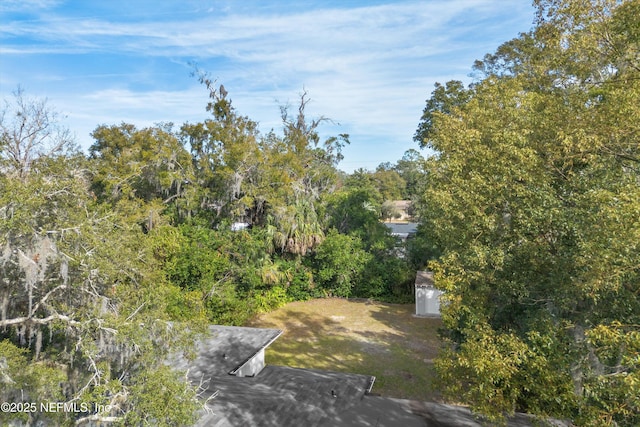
(403,207)
(403,230)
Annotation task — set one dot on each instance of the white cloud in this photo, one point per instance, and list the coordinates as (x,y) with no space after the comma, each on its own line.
(258,37)
(19,5)
(370,67)
(114,106)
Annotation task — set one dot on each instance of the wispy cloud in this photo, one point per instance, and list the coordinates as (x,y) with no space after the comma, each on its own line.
(384,32)
(20,5)
(368,67)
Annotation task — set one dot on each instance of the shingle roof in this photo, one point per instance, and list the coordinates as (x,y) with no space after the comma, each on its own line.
(225,348)
(388,412)
(278,396)
(282,396)
(290,397)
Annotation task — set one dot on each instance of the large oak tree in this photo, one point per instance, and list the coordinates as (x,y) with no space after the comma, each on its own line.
(533,198)
(83,304)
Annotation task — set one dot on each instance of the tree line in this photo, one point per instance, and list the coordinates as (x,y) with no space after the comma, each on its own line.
(112,259)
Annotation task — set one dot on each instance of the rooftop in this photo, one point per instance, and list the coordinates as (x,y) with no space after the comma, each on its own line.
(424,278)
(281,396)
(402,228)
(276,396)
(225,348)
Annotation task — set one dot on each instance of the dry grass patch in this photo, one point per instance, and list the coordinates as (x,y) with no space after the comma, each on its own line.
(384,340)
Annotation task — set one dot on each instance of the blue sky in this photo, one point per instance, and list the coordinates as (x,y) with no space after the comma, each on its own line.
(367,65)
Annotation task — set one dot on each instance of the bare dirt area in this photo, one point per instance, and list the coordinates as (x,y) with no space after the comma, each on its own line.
(358,336)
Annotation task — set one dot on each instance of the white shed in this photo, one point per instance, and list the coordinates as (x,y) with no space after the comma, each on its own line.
(427,296)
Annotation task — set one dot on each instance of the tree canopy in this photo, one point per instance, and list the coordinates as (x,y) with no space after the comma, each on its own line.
(533,201)
(83,305)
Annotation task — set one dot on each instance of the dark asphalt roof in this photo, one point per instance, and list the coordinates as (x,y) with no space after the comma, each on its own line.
(387,412)
(283,396)
(278,396)
(226,348)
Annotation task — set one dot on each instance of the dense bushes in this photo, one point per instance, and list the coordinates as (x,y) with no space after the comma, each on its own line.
(228,276)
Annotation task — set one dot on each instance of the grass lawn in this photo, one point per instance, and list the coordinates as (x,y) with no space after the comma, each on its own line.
(358,336)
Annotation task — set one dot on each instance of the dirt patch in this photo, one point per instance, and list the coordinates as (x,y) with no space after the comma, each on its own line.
(359,336)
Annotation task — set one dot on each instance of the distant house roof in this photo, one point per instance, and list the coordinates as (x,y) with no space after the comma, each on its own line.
(402,229)
(401,204)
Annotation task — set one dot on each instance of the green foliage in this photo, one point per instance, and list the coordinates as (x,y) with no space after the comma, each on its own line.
(388,211)
(272,299)
(225,154)
(142,166)
(295,228)
(354,213)
(421,249)
(300,284)
(386,277)
(444,100)
(200,262)
(270,181)
(162,398)
(340,261)
(21,377)
(389,183)
(532,204)
(492,380)
(225,276)
(362,180)
(411,169)
(616,391)
(81,293)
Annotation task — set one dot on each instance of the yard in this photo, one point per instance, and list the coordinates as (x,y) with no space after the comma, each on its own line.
(358,336)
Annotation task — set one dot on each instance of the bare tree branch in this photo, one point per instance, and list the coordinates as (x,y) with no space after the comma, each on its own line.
(39,320)
(29,129)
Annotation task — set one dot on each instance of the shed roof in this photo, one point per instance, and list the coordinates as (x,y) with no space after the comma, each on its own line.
(424,279)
